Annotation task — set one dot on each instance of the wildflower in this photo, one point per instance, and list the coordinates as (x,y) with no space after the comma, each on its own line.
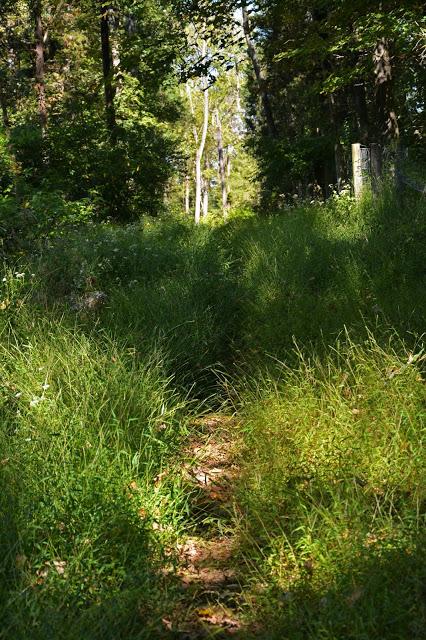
(35,401)
(45,386)
(19,276)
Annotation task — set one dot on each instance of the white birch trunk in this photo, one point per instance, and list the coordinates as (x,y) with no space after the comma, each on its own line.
(187,185)
(206,188)
(200,149)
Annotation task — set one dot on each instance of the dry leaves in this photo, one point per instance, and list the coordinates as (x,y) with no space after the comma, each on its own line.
(218,616)
(57,565)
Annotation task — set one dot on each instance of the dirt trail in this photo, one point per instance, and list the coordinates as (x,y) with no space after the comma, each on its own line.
(208,561)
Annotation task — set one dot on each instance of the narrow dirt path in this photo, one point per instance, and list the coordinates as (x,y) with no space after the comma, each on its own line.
(208,559)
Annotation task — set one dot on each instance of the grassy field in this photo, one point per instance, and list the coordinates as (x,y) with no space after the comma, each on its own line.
(305,326)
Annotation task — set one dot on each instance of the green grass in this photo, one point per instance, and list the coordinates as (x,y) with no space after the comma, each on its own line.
(333,494)
(309,326)
(86,429)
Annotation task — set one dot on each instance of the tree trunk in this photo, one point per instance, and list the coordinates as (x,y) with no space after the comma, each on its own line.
(221,162)
(238,90)
(361,111)
(200,148)
(107,73)
(387,119)
(187,187)
(192,110)
(4,111)
(261,81)
(206,186)
(338,150)
(376,166)
(39,66)
(339,164)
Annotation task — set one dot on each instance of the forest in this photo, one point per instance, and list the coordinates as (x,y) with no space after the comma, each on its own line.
(212,320)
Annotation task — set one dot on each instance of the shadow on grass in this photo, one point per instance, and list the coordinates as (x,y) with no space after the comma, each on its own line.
(381,595)
(307,277)
(44,605)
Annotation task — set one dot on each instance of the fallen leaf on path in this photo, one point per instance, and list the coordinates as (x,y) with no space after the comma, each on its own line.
(218,617)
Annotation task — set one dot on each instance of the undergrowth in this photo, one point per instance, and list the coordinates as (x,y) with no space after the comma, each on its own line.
(87,508)
(309,326)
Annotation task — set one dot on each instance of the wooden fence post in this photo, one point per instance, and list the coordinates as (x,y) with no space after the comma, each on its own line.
(358,180)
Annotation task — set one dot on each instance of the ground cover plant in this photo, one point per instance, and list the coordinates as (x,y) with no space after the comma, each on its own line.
(304,330)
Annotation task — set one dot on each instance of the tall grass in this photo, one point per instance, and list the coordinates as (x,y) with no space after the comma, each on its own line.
(333,493)
(96,404)
(86,429)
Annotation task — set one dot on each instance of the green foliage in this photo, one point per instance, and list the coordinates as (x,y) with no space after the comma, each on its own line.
(320,77)
(155,276)
(6,165)
(40,215)
(316,269)
(75,154)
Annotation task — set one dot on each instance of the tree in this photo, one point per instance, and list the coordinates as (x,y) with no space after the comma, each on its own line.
(337,73)
(260,77)
(40,88)
(221,162)
(107,67)
(199,138)
(117,147)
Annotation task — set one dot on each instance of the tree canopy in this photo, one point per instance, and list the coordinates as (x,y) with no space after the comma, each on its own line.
(93,100)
